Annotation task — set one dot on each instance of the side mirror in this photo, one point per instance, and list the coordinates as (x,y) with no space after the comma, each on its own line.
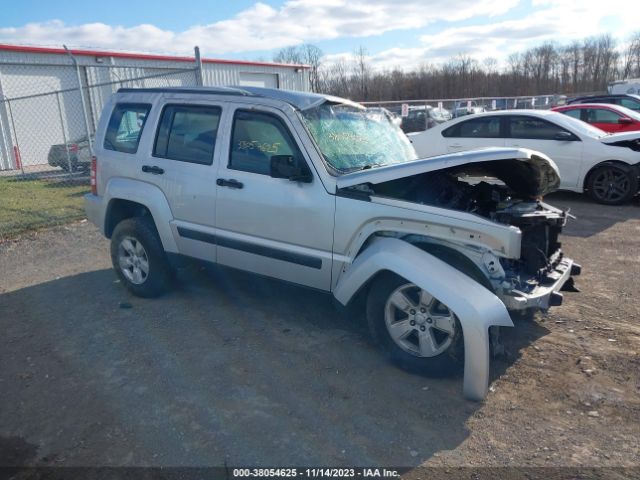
(563,136)
(286,166)
(625,121)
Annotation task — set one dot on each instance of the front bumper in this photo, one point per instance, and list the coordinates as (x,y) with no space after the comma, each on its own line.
(546,294)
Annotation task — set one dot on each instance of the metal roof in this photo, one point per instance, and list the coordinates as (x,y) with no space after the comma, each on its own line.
(139,56)
(299,100)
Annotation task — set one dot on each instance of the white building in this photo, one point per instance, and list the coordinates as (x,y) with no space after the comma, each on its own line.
(40,104)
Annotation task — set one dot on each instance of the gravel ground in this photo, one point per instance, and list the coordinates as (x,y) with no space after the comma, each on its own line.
(230,369)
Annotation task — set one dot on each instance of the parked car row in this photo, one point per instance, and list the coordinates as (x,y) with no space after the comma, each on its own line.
(590,160)
(423,117)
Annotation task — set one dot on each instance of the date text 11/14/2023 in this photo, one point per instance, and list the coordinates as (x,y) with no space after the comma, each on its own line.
(317,472)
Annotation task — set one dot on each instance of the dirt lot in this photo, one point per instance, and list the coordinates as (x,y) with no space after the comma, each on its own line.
(230,369)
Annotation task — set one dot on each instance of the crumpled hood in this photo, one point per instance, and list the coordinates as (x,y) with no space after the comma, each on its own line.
(523,170)
(620,137)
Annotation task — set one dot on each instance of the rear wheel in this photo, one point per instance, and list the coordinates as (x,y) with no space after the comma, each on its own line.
(612,184)
(139,259)
(419,332)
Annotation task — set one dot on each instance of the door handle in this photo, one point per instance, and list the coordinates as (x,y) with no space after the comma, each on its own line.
(229,183)
(155,170)
(455,145)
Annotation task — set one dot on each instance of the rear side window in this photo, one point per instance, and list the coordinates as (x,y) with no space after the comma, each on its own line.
(256,137)
(483,127)
(188,133)
(575,113)
(125,127)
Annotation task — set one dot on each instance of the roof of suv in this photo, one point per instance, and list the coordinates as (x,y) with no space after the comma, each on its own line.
(299,100)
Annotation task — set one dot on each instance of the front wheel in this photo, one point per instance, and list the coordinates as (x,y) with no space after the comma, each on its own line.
(612,184)
(419,332)
(139,258)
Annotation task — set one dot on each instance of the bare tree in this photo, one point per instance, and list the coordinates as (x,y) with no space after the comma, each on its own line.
(586,65)
(362,71)
(631,57)
(288,55)
(312,56)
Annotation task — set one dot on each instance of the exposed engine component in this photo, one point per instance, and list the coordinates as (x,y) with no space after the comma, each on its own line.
(484,194)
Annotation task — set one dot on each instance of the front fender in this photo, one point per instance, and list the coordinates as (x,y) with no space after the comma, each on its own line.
(151,197)
(476,307)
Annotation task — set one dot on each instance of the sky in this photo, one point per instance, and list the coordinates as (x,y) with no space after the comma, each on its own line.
(394,33)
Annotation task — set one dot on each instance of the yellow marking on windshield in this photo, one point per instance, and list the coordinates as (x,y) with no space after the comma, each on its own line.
(262,146)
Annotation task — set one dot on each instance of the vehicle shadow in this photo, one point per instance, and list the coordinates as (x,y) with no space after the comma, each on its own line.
(592,218)
(228,369)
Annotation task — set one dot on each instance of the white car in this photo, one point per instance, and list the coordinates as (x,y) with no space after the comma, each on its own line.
(604,165)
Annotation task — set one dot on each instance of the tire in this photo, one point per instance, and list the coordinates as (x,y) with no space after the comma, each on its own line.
(612,184)
(64,164)
(65,167)
(428,341)
(139,259)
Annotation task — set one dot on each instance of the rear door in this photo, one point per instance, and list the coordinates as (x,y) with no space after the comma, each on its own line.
(476,132)
(181,162)
(541,135)
(271,226)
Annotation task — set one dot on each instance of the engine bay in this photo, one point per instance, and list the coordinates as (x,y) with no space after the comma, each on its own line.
(494,192)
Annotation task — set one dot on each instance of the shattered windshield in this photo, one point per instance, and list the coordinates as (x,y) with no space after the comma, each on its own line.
(352,138)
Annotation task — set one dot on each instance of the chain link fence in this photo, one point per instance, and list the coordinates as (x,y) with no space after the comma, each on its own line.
(419,115)
(47,127)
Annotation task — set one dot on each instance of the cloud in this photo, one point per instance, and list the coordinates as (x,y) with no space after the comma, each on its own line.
(551,20)
(262,27)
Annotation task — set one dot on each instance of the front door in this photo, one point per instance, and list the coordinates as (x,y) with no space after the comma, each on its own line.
(541,135)
(271,226)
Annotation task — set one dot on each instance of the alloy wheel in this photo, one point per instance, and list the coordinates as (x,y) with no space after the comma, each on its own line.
(418,323)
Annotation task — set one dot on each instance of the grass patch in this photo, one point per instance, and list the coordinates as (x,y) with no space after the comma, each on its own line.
(31,204)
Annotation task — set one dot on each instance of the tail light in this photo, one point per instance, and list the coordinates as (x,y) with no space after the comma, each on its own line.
(73,147)
(94,175)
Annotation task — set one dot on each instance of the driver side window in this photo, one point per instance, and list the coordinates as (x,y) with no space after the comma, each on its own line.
(255,138)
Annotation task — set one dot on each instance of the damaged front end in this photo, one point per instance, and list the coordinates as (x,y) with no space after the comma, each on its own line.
(505,186)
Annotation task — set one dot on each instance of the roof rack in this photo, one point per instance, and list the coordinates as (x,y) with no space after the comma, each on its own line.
(200,90)
(299,100)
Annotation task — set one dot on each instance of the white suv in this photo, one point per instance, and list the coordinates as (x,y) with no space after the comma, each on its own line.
(321,192)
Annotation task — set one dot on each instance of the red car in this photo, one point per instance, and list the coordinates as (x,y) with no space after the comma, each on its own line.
(607,117)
